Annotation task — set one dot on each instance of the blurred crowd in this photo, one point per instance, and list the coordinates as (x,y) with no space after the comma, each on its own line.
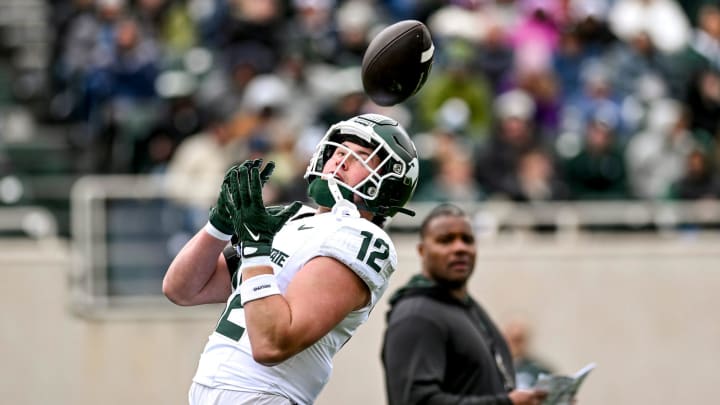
(528,99)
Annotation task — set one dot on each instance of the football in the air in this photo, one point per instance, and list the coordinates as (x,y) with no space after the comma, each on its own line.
(397,62)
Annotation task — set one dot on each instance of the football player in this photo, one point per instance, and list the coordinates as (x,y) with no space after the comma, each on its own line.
(299,281)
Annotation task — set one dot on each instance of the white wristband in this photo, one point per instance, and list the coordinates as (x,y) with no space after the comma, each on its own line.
(216,233)
(258,287)
(255,261)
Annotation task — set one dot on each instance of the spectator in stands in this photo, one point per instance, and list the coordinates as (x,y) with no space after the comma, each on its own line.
(588,20)
(348,104)
(198,166)
(433,147)
(440,346)
(656,156)
(63,16)
(497,160)
(536,179)
(152,155)
(508,13)
(121,95)
(568,60)
(313,33)
(495,57)
(244,39)
(254,26)
(535,40)
(663,20)
(701,180)
(457,79)
(703,99)
(288,184)
(105,51)
(452,180)
(598,96)
(175,116)
(543,87)
(355,22)
(598,171)
(262,122)
(536,36)
(706,37)
(127,69)
(702,51)
(528,367)
(414,10)
(90,32)
(633,59)
(168,22)
(692,9)
(264,107)
(584,38)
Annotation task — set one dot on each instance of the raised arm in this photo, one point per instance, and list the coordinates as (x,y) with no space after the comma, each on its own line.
(198,274)
(318,298)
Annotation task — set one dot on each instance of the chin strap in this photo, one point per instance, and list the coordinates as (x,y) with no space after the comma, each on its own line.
(406,211)
(382,211)
(333,187)
(342,207)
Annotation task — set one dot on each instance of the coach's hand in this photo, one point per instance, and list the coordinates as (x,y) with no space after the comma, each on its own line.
(255,225)
(527,396)
(222,215)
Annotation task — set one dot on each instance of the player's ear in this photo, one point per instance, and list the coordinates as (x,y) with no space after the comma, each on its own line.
(420,248)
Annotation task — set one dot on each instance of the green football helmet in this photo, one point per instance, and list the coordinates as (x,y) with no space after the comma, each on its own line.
(388,187)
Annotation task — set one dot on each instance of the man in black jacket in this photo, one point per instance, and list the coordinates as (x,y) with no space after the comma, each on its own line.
(440,346)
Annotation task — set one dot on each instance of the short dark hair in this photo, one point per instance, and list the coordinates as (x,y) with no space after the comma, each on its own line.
(442,210)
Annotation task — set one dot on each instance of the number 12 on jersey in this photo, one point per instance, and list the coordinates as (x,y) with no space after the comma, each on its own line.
(380,251)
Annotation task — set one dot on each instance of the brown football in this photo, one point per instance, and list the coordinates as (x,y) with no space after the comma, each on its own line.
(397,62)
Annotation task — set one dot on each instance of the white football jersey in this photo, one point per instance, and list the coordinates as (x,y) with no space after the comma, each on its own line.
(342,234)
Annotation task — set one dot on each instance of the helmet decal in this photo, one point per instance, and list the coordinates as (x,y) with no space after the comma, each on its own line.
(413,171)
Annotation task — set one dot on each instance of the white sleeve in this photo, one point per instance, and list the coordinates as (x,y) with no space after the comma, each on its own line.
(366,250)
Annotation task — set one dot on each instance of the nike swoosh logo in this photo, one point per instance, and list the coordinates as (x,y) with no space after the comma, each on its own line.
(254,236)
(305,227)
